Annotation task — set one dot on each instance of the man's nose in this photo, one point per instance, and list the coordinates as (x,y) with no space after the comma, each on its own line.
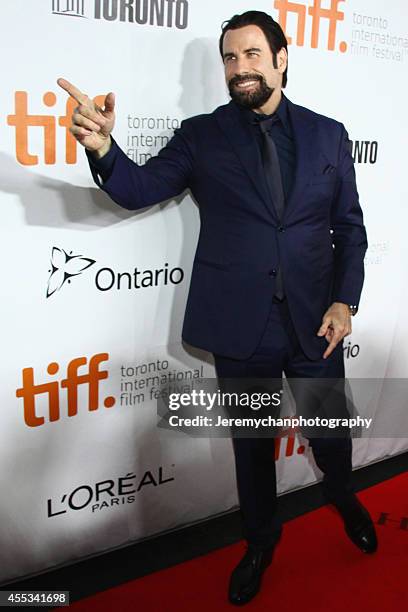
(241,66)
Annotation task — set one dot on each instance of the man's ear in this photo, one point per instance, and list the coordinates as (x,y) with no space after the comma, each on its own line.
(282,57)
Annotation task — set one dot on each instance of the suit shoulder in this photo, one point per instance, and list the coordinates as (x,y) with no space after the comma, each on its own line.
(323,120)
(199,120)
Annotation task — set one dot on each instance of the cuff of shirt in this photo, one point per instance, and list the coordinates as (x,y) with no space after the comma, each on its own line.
(104,165)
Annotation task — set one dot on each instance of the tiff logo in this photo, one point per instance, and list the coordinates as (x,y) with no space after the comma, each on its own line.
(29,391)
(316,13)
(22,121)
(290,435)
(73,8)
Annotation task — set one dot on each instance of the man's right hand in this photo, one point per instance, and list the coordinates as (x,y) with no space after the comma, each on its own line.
(91,125)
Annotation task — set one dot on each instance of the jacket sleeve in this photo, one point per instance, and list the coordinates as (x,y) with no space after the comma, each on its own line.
(163,176)
(348,231)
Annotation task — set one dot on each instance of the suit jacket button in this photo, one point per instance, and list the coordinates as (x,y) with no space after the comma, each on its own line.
(272,272)
(281,228)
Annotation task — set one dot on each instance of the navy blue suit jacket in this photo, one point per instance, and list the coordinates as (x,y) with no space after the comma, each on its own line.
(321,238)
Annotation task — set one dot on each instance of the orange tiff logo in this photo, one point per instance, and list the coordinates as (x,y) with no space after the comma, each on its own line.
(22,121)
(91,377)
(290,436)
(317,13)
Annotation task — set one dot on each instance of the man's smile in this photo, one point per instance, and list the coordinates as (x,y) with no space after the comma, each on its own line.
(246,84)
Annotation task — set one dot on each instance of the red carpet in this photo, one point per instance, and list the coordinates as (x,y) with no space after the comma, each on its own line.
(315,567)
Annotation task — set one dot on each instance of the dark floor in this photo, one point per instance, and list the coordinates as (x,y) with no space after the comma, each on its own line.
(113,568)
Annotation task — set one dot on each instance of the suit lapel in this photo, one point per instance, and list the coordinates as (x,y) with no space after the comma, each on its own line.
(305,135)
(242,140)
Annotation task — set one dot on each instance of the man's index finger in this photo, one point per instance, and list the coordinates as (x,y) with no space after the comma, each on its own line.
(72,90)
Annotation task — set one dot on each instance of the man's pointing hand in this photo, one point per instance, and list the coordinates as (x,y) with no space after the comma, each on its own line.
(335,326)
(91,125)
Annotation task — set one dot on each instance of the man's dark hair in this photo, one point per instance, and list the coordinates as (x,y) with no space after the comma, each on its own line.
(271,28)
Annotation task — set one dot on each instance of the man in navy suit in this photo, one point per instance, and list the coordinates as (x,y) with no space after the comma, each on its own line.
(278,269)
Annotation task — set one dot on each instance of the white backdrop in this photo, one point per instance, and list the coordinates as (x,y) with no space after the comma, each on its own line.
(76,481)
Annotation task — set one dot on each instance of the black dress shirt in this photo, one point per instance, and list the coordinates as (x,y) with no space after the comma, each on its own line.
(282,134)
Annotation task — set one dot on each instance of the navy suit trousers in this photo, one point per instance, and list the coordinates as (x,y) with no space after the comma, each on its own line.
(279,351)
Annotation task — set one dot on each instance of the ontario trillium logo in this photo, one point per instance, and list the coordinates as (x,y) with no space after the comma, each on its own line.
(63,267)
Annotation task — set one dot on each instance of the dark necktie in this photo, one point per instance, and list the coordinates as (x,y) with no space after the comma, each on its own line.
(273,177)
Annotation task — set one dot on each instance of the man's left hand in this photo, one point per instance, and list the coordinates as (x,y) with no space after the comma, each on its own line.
(336,325)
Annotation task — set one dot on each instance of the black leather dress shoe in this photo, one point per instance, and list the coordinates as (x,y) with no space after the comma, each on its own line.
(358,525)
(245,579)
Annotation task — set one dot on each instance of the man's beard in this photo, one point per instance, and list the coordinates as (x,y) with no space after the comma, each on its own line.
(250,99)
